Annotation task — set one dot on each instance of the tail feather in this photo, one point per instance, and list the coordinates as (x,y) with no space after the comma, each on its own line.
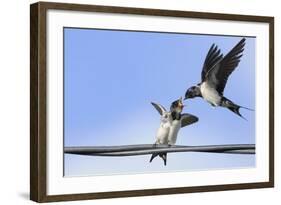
(236,111)
(152,157)
(246,108)
(162,155)
(234,107)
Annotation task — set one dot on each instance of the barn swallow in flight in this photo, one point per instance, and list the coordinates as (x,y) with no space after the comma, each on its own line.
(216,70)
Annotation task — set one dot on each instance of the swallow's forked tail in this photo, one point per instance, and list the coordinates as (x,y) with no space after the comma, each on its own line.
(233,107)
(162,155)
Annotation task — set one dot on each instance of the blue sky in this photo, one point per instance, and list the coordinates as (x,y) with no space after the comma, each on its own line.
(110,78)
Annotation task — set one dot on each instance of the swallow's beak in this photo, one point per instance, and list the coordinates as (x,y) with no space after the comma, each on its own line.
(187,95)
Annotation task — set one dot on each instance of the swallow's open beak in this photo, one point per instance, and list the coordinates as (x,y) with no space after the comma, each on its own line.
(181,105)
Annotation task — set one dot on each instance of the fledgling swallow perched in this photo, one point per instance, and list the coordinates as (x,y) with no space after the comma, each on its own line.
(170,124)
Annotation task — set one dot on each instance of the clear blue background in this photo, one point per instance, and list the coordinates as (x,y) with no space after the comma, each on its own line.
(110,78)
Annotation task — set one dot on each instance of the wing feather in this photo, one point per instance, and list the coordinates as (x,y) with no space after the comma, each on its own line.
(159,108)
(212,58)
(188,119)
(228,65)
(222,67)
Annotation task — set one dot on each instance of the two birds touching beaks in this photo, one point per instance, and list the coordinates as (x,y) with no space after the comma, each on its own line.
(215,72)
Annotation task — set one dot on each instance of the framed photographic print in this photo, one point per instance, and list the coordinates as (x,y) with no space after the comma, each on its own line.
(135,102)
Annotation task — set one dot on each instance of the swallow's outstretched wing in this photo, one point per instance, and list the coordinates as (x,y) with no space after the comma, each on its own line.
(188,119)
(218,68)
(159,108)
(212,58)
